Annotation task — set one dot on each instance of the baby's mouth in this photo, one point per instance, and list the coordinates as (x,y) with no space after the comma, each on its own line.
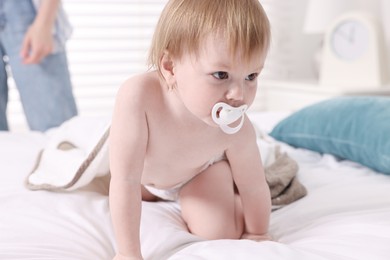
(219,112)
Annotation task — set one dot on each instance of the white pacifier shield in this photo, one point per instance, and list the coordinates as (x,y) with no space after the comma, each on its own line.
(224,115)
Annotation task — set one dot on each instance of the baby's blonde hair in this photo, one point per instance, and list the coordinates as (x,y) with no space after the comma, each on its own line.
(183,24)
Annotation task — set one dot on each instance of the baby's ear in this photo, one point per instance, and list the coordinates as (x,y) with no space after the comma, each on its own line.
(167,69)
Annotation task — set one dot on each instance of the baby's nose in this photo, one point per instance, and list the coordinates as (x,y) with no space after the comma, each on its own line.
(236,92)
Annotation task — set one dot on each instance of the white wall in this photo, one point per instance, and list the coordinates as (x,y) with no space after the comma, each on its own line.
(291,51)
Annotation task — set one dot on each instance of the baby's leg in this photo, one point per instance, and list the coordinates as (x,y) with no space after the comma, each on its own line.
(209,205)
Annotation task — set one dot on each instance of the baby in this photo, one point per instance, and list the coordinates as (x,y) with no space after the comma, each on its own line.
(180,132)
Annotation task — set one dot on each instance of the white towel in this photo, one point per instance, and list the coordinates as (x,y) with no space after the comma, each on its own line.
(76,153)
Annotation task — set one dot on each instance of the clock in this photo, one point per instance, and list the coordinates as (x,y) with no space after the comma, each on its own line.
(353,53)
(350,40)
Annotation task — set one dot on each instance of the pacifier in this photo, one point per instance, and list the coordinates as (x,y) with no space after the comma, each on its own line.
(224,115)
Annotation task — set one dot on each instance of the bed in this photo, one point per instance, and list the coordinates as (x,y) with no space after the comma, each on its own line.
(345,214)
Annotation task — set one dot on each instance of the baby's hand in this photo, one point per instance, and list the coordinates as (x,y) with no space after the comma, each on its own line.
(257,238)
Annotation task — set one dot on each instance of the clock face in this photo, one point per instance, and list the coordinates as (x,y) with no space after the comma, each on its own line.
(350,40)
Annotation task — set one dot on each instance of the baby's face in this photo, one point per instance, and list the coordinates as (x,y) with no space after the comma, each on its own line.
(214,75)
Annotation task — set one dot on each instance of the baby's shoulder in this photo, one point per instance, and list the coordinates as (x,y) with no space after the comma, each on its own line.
(139,87)
(141,84)
(247,134)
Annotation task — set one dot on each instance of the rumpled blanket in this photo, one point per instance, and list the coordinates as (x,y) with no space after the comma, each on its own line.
(77,152)
(282,180)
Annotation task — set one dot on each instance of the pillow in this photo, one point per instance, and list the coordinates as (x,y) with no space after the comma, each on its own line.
(354,128)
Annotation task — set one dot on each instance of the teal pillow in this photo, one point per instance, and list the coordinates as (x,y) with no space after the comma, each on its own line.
(353,128)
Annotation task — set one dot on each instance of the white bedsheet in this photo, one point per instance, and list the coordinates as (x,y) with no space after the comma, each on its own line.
(346,215)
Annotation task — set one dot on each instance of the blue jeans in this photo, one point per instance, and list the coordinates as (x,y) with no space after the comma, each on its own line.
(45,89)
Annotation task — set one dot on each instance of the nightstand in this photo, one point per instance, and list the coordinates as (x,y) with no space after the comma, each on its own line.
(293,95)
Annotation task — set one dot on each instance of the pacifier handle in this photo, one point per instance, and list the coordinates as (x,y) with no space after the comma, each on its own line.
(224,115)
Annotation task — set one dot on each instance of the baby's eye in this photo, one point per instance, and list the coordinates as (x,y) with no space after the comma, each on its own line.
(252,76)
(221,75)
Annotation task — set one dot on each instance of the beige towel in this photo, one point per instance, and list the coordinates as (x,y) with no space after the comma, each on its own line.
(281,178)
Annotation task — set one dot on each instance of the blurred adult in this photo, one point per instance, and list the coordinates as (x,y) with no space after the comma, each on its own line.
(33,34)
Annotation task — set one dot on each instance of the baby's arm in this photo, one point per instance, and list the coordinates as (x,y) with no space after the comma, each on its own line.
(248,173)
(128,139)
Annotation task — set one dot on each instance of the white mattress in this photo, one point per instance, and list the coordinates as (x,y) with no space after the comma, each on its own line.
(346,214)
